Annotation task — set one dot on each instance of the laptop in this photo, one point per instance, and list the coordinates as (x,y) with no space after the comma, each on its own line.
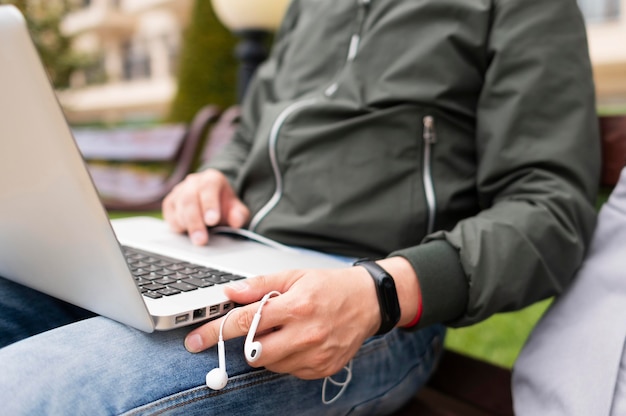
(55,235)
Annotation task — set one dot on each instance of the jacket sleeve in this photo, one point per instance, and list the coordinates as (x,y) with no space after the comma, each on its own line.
(538,169)
(260,90)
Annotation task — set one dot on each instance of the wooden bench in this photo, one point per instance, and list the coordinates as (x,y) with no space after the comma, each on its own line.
(134,168)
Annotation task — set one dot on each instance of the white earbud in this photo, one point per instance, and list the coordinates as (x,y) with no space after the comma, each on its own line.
(252,349)
(217,378)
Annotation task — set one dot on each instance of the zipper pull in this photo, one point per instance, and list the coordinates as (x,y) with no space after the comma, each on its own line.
(429,130)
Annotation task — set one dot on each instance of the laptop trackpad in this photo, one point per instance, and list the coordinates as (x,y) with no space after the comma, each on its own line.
(224,251)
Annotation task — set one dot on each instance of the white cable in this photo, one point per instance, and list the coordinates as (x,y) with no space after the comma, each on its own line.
(251,235)
(343,384)
(220,338)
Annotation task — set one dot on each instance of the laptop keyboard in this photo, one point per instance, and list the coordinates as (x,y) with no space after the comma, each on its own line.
(158,276)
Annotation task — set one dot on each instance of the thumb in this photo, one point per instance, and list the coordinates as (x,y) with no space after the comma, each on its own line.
(252,289)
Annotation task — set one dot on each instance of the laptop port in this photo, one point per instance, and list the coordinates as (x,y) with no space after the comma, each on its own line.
(214,309)
(182,318)
(199,313)
(227,306)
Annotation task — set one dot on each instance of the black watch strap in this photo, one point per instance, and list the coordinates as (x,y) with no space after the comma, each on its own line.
(387,295)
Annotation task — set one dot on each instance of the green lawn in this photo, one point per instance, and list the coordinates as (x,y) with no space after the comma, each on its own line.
(498,339)
(122,214)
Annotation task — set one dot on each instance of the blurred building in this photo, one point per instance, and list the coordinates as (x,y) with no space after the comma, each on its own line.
(606,29)
(135,45)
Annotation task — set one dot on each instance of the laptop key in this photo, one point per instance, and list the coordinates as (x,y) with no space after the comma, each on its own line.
(166,280)
(157,276)
(183,287)
(235,277)
(168,291)
(153,295)
(153,286)
(197,282)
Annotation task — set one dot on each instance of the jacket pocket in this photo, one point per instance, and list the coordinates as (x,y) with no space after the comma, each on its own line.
(353,177)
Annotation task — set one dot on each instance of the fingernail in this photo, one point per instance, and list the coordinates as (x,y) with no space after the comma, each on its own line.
(238,286)
(193,343)
(198,238)
(211,217)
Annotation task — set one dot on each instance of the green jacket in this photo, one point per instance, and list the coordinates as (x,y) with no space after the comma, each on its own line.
(460,134)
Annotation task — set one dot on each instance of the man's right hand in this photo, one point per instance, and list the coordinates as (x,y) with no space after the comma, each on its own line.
(203,199)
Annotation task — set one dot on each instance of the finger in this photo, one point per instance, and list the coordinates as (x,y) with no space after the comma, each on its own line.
(188,211)
(235,212)
(168,210)
(210,190)
(193,220)
(237,324)
(253,289)
(304,354)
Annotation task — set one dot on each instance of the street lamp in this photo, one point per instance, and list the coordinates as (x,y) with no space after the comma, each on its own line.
(252,21)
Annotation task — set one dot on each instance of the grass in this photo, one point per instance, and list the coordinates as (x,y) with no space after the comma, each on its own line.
(499,339)
(612,109)
(123,214)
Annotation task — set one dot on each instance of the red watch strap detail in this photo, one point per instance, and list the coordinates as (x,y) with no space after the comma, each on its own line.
(418,316)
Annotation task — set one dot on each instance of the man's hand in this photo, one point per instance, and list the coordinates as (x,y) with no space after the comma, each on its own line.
(318,323)
(203,199)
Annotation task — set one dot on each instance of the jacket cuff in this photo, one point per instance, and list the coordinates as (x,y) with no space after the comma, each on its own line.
(441,279)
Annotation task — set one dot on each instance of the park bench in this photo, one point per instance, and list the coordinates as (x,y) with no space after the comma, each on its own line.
(134,168)
(461,385)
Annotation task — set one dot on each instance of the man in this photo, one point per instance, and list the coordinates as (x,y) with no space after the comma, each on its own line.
(574,362)
(454,141)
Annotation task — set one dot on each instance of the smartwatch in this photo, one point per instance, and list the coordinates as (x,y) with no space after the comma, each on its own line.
(387,295)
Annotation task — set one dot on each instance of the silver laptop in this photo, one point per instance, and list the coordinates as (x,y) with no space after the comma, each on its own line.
(55,235)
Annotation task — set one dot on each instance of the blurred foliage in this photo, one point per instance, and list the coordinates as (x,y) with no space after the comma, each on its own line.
(207,68)
(612,109)
(43,19)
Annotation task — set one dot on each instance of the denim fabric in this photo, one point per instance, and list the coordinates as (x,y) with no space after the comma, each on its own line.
(25,312)
(97,366)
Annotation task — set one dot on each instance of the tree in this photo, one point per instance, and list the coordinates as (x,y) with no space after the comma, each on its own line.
(44,20)
(207,68)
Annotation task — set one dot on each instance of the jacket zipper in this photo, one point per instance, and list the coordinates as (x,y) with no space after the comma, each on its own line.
(274,132)
(430,138)
(355,41)
(353,49)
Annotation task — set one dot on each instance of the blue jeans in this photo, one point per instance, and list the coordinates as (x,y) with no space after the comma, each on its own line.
(58,359)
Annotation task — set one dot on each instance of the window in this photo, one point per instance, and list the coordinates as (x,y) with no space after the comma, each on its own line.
(172,45)
(136,61)
(95,72)
(600,10)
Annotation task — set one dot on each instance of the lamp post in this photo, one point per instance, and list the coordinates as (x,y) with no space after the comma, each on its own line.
(252,21)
